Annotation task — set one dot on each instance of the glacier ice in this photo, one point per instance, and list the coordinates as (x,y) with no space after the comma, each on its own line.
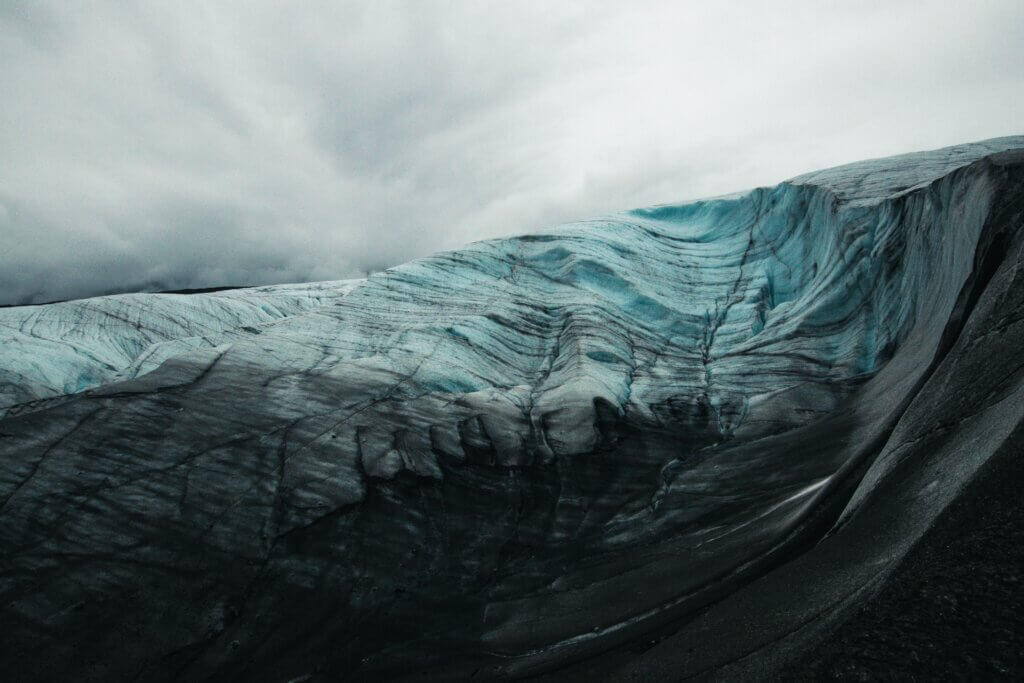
(57,349)
(551,443)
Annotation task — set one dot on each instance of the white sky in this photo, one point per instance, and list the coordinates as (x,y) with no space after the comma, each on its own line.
(192,144)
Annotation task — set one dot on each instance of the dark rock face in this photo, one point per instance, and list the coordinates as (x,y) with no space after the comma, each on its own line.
(952,609)
(683,442)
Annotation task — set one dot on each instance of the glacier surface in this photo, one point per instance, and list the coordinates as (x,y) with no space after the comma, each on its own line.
(525,454)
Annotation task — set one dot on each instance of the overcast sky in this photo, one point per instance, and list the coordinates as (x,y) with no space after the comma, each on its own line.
(190,144)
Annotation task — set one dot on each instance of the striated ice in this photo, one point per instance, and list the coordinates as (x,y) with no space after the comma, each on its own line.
(63,348)
(526,452)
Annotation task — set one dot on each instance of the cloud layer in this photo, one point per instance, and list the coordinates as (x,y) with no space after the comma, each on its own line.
(189,145)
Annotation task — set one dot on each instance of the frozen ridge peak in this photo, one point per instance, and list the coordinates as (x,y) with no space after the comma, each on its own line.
(876,179)
(723,313)
(698,291)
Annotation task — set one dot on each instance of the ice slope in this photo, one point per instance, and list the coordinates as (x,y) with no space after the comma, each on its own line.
(63,348)
(702,293)
(526,454)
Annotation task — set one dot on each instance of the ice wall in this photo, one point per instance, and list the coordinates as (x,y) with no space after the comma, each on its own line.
(522,454)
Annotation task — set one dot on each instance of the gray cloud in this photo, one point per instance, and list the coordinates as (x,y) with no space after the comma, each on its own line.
(193,144)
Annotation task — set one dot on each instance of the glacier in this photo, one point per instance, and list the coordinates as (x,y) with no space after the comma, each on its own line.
(710,428)
(58,349)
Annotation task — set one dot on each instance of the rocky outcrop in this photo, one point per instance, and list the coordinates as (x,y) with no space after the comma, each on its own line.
(679,441)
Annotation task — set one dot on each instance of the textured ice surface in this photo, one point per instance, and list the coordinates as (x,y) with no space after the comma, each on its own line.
(63,348)
(707,311)
(521,453)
